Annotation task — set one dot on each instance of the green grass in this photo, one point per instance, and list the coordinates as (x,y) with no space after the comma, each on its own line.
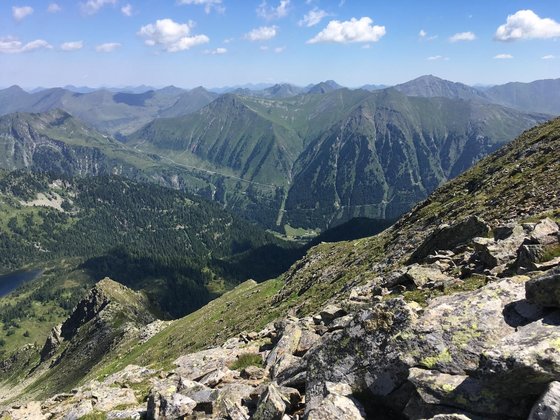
(247,359)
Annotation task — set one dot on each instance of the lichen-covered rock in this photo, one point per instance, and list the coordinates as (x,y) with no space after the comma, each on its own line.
(524,362)
(331,312)
(272,404)
(464,392)
(545,290)
(167,403)
(379,335)
(447,237)
(422,275)
(547,406)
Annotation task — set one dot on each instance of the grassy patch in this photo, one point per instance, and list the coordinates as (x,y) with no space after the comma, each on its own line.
(247,359)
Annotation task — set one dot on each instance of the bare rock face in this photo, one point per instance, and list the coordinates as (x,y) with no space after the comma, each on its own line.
(52,342)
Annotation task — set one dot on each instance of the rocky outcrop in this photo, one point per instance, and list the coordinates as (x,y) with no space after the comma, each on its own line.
(447,237)
(444,338)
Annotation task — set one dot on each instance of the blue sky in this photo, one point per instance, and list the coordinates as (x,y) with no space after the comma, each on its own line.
(215,43)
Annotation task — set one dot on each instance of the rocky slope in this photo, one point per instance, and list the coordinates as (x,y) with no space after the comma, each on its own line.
(454,311)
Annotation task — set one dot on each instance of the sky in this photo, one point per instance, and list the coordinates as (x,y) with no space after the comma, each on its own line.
(213,43)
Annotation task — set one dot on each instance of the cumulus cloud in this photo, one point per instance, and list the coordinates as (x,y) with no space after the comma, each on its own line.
(269,12)
(264,33)
(108,47)
(503,56)
(217,51)
(54,8)
(14,46)
(353,30)
(313,17)
(127,10)
(548,57)
(91,7)
(72,46)
(208,4)
(171,36)
(526,24)
(462,36)
(20,13)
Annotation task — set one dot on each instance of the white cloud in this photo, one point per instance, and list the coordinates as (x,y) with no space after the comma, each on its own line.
(107,47)
(353,30)
(54,8)
(548,57)
(171,36)
(437,58)
(72,46)
(91,7)
(269,12)
(127,10)
(526,24)
(217,51)
(313,17)
(208,4)
(264,33)
(20,13)
(14,46)
(279,50)
(424,36)
(503,56)
(462,36)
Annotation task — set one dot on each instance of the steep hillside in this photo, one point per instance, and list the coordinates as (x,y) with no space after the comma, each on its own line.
(452,311)
(227,134)
(538,96)
(391,152)
(143,235)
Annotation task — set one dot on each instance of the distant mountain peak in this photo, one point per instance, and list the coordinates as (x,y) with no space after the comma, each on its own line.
(430,86)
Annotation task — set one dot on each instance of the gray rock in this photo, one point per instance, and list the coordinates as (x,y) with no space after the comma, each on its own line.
(547,406)
(448,237)
(286,345)
(272,404)
(331,312)
(421,275)
(545,290)
(166,403)
(52,342)
(463,392)
(337,407)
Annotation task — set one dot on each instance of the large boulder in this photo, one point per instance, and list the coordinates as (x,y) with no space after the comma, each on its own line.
(448,237)
(545,290)
(166,403)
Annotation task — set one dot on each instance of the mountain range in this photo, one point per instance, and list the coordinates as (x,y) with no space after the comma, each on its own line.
(451,312)
(285,157)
